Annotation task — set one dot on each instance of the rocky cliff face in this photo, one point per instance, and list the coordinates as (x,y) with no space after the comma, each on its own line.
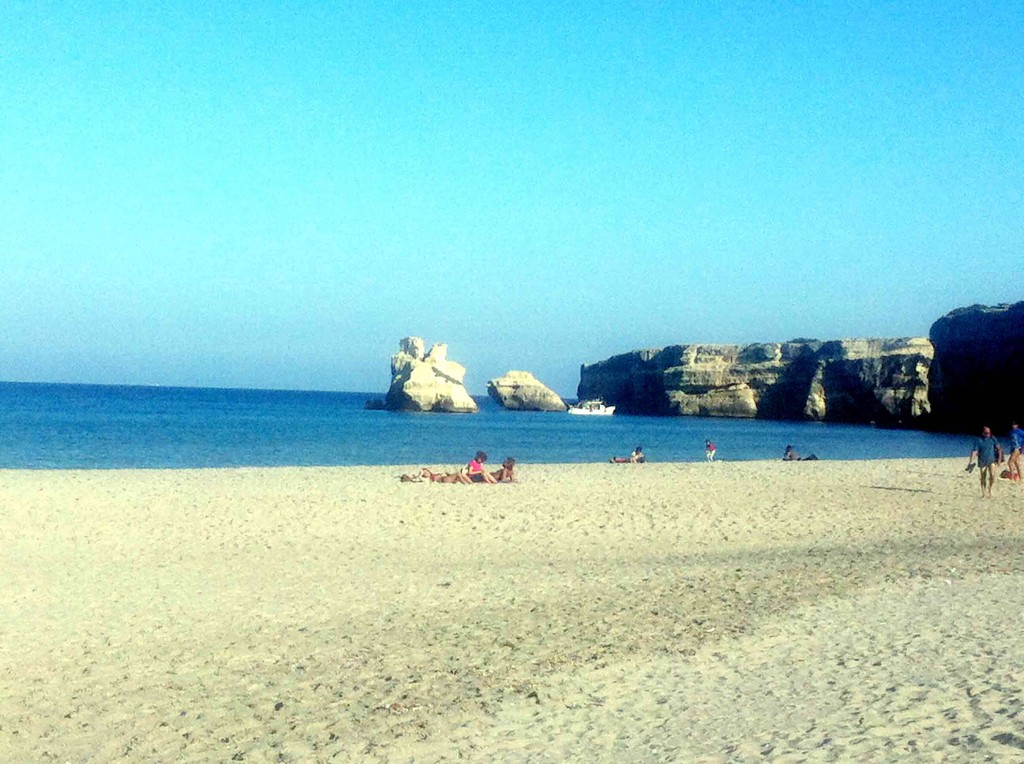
(978,372)
(521,391)
(427,381)
(883,381)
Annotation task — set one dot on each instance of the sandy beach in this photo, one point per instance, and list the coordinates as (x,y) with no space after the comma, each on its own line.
(826,611)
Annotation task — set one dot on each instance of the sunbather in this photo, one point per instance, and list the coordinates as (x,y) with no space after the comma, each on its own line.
(507,472)
(475,472)
(637,457)
(433,477)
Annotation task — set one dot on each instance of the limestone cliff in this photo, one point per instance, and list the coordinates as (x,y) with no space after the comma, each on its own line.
(978,371)
(862,380)
(521,391)
(427,381)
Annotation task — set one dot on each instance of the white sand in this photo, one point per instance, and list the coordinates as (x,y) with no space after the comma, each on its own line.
(828,611)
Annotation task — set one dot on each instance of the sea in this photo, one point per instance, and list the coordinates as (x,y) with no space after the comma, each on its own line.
(72,426)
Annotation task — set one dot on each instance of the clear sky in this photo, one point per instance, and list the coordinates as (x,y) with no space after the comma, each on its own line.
(269,194)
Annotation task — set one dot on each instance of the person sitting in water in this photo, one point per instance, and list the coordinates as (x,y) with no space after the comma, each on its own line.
(475,472)
(507,472)
(637,457)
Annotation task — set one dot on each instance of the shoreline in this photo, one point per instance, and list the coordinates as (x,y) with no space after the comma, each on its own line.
(697,462)
(590,611)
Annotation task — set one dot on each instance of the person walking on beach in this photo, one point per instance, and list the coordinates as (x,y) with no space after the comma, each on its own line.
(709,450)
(988,453)
(1016,444)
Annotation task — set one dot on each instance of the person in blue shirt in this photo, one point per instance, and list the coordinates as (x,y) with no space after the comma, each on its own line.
(1016,445)
(988,453)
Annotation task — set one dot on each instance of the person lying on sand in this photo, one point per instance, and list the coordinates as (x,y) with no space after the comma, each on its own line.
(637,457)
(433,477)
(474,473)
(507,472)
(790,455)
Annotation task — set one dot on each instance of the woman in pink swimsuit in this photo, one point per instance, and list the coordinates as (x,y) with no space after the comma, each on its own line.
(475,472)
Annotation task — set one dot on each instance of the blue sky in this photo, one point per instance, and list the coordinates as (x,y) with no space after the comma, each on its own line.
(273,194)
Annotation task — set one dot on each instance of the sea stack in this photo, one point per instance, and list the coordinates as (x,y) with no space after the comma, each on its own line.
(427,381)
(521,391)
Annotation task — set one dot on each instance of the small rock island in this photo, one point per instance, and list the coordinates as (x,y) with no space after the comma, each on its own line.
(427,381)
(521,391)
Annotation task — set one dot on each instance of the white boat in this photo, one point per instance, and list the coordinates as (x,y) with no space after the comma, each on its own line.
(592,408)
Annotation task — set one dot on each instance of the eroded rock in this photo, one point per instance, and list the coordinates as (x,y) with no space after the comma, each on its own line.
(858,380)
(427,381)
(521,391)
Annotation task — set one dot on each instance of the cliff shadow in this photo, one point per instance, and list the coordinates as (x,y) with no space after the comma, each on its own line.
(787,397)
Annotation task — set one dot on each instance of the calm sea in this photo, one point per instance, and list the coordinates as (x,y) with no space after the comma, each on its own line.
(98,426)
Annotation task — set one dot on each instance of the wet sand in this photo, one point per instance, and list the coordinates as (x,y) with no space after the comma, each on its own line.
(727,612)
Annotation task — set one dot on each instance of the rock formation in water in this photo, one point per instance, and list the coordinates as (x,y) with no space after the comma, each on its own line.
(427,382)
(521,391)
(870,380)
(978,370)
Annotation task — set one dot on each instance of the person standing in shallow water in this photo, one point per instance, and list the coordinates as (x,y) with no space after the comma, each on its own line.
(709,450)
(988,454)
